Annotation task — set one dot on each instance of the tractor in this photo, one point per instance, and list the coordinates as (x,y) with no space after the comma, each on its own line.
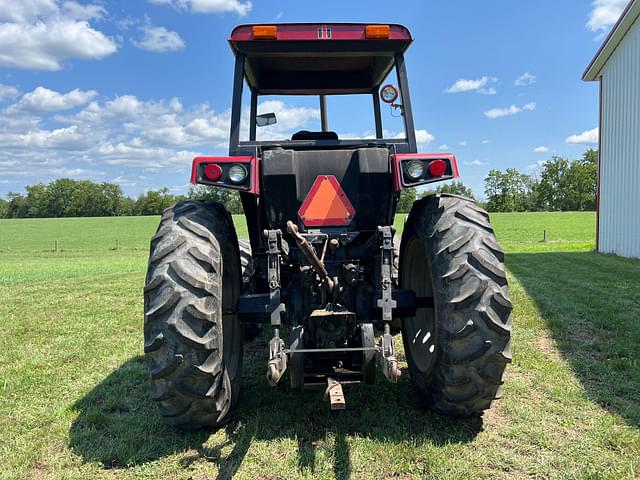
(323,272)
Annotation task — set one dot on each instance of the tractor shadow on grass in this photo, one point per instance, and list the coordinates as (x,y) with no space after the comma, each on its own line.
(118,426)
(591,305)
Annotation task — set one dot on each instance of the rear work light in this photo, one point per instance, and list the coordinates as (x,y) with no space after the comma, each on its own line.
(237,173)
(377,31)
(264,32)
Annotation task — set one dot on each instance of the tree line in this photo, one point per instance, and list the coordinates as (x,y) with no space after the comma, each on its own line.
(83,198)
(561,185)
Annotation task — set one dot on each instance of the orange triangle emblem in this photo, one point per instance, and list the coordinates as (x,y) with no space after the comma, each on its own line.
(326,204)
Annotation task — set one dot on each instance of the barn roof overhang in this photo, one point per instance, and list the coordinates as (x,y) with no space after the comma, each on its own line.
(626,21)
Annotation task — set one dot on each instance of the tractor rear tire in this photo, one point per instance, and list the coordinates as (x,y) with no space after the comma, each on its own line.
(193,341)
(457,350)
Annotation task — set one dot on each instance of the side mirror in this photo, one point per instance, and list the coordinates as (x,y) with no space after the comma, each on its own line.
(266,119)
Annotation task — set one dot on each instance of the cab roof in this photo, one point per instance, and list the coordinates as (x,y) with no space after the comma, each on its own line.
(318,58)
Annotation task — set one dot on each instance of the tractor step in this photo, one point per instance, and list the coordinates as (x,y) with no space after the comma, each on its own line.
(335,395)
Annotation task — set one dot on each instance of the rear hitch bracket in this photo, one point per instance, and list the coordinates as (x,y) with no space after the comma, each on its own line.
(277,357)
(387,353)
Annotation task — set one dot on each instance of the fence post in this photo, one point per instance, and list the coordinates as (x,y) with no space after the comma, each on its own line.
(55,245)
(545,237)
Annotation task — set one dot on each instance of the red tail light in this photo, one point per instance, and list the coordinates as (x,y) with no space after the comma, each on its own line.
(213,172)
(437,168)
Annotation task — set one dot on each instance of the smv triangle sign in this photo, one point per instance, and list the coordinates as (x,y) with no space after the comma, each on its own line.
(326,204)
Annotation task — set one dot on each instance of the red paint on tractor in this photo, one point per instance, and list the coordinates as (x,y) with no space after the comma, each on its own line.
(319,31)
(396,166)
(326,204)
(253,162)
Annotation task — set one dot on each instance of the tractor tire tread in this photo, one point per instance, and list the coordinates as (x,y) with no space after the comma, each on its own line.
(183,315)
(472,304)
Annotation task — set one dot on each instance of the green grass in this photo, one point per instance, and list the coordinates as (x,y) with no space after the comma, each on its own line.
(516,231)
(73,388)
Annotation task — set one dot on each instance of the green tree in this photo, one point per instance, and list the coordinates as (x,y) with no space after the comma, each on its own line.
(568,185)
(508,191)
(583,181)
(4,208)
(127,206)
(456,188)
(17,206)
(407,197)
(154,202)
(229,198)
(552,189)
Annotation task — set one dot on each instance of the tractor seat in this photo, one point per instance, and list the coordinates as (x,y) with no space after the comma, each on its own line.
(307,135)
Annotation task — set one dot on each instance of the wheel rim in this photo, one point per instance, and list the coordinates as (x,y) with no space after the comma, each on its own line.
(420,333)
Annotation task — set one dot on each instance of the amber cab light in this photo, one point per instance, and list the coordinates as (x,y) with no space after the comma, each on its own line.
(264,32)
(437,168)
(213,172)
(377,31)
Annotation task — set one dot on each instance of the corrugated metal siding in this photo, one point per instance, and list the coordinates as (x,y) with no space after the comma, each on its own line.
(620,144)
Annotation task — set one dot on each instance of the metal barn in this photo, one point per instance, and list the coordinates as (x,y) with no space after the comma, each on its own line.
(617,67)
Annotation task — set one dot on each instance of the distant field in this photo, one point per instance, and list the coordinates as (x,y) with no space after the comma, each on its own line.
(516,231)
(74,393)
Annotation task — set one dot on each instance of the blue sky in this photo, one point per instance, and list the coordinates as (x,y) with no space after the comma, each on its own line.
(129,91)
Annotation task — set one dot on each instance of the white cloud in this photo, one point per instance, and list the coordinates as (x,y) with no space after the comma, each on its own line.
(536,166)
(485,142)
(479,85)
(475,163)
(44,100)
(589,137)
(8,92)
(463,143)
(506,112)
(67,139)
(26,10)
(525,79)
(423,137)
(81,12)
(541,149)
(605,13)
(161,137)
(444,146)
(209,6)
(125,137)
(159,40)
(41,34)
(279,15)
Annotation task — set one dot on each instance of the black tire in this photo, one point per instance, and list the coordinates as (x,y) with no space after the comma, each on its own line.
(457,351)
(251,330)
(193,344)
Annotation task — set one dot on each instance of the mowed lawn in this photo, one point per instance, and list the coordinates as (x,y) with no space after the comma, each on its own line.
(73,387)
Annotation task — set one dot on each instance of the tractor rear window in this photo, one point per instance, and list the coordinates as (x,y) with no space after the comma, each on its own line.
(293,113)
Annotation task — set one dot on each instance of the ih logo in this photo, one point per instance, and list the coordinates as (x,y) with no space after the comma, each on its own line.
(326,204)
(324,33)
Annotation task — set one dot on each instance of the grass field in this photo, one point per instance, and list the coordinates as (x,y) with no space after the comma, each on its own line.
(73,388)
